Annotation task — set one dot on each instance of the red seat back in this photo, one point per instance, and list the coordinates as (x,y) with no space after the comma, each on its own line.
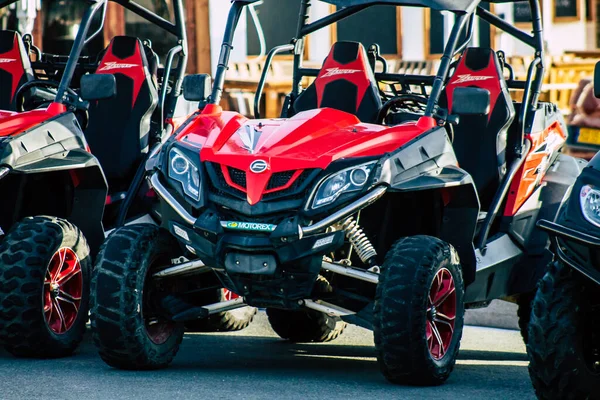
(119,128)
(15,68)
(346,82)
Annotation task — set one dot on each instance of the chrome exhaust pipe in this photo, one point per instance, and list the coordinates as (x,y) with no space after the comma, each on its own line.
(4,171)
(196,266)
(356,273)
(225,306)
(327,308)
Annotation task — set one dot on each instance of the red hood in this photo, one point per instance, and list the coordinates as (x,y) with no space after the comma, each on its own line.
(311,139)
(12,122)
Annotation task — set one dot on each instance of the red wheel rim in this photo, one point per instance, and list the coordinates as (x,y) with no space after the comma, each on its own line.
(158,330)
(63,287)
(441,314)
(229,295)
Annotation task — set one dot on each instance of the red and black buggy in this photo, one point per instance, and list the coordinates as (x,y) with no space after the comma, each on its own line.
(75,132)
(391,201)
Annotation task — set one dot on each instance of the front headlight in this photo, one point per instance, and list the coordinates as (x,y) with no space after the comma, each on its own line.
(345,181)
(589,198)
(182,170)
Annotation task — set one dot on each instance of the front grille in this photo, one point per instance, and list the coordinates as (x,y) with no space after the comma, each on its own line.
(237,176)
(298,189)
(280,179)
(218,185)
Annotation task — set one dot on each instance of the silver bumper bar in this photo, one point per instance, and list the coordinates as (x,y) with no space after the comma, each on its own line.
(355,273)
(225,306)
(4,171)
(170,200)
(196,266)
(347,211)
(310,230)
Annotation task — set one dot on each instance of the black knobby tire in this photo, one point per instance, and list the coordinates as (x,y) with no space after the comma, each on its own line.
(558,330)
(121,300)
(227,321)
(304,326)
(401,315)
(524,314)
(25,256)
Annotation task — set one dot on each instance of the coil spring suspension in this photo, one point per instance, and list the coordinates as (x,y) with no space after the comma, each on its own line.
(359,241)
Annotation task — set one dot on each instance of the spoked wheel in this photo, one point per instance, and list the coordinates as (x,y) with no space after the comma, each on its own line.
(63,288)
(227,321)
(419,311)
(44,281)
(441,314)
(564,336)
(129,326)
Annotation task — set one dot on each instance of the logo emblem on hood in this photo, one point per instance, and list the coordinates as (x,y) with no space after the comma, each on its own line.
(249,136)
(7,60)
(258,166)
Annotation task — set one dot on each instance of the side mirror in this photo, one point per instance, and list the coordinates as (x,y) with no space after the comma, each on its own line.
(470,101)
(597,80)
(196,87)
(98,87)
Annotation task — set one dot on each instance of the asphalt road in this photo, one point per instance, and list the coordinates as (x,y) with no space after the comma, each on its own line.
(255,364)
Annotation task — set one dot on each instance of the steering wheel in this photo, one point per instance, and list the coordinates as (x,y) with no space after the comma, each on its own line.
(410,102)
(43,96)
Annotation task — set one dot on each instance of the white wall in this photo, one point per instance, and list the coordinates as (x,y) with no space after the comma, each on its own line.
(559,36)
(319,45)
(218,12)
(413,39)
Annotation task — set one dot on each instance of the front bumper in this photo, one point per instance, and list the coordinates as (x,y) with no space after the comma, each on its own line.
(274,265)
(577,249)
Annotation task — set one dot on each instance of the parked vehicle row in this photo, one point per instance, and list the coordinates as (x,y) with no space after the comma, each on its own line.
(390,201)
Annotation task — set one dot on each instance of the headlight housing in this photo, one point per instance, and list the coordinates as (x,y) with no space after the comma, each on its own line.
(182,170)
(345,181)
(589,198)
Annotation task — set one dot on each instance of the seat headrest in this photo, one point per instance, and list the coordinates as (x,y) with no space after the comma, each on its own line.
(348,61)
(478,67)
(125,55)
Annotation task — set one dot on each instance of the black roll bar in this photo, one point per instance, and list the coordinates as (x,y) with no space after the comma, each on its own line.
(150,17)
(469,37)
(230,28)
(263,77)
(442,73)
(328,20)
(93,35)
(76,49)
(498,22)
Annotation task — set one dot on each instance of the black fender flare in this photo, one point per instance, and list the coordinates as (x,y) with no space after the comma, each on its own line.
(460,211)
(90,190)
(428,163)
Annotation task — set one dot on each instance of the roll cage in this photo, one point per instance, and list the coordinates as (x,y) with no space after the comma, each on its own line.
(75,61)
(460,36)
